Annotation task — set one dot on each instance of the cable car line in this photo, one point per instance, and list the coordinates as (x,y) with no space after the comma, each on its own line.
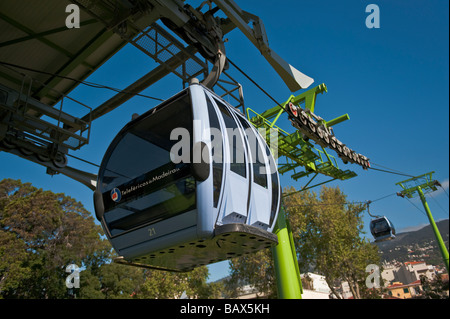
(443,189)
(383,197)
(83,160)
(346,203)
(87,83)
(93,164)
(254,82)
(314,127)
(442,208)
(393,170)
(172,216)
(409,200)
(390,172)
(326,204)
(285,195)
(381,228)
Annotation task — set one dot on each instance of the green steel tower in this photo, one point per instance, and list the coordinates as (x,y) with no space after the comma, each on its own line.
(301,159)
(422,185)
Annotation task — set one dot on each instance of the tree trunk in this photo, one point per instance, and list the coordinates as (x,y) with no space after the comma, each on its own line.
(332,288)
(353,288)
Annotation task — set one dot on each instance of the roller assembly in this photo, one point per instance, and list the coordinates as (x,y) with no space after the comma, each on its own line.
(315,128)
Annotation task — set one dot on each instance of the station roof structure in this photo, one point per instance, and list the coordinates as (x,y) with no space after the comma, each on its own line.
(35,37)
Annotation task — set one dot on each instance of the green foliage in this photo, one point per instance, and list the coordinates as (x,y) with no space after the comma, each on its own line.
(434,289)
(328,239)
(328,235)
(254,269)
(41,233)
(167,285)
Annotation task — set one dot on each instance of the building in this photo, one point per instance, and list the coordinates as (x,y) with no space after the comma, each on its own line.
(411,271)
(388,274)
(404,291)
(345,291)
(249,292)
(401,280)
(407,272)
(311,294)
(314,286)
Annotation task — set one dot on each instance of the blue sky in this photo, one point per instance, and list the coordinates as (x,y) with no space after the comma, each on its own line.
(392,81)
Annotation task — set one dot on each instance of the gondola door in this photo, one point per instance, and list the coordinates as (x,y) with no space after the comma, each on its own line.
(261,194)
(234,208)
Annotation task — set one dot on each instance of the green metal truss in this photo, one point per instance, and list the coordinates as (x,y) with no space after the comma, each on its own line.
(301,158)
(410,186)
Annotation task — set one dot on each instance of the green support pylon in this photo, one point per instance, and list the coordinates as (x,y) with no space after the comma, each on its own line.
(287,273)
(419,184)
(439,239)
(298,153)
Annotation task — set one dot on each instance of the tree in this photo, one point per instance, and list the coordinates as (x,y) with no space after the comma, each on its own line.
(172,285)
(41,233)
(254,269)
(116,281)
(434,289)
(328,238)
(111,281)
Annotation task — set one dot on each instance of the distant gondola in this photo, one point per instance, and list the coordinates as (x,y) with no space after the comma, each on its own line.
(382,229)
(168,204)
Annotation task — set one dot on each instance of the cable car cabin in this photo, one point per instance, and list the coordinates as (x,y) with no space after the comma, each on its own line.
(189,183)
(382,229)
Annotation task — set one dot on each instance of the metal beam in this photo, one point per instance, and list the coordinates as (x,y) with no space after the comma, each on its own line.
(294,79)
(77,59)
(43,34)
(85,178)
(144,82)
(30,32)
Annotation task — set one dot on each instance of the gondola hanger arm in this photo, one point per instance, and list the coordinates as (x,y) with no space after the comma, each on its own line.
(220,62)
(368,210)
(294,79)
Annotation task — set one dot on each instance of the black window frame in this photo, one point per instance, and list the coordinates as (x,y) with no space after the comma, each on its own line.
(257,154)
(170,177)
(217,163)
(232,124)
